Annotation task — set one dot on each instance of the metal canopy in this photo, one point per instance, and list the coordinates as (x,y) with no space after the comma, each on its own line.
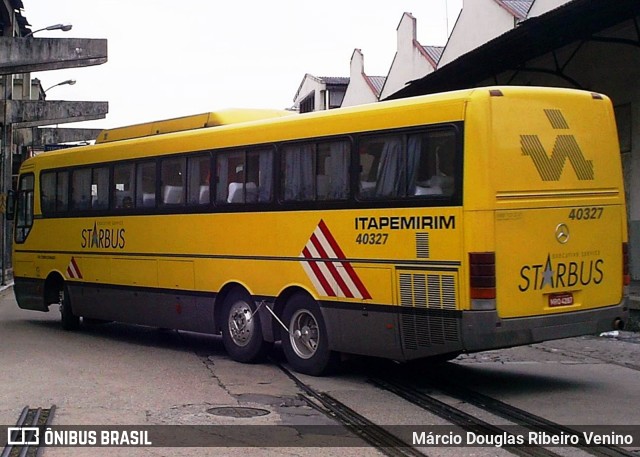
(576,21)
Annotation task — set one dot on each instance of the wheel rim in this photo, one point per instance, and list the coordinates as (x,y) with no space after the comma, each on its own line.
(241,323)
(304,334)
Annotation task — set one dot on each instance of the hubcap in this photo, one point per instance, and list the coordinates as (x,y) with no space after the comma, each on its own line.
(241,323)
(304,334)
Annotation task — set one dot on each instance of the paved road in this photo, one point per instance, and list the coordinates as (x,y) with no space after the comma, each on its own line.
(116,374)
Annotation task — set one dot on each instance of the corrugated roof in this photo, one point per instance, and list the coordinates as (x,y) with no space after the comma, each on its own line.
(434,52)
(519,8)
(376,83)
(334,80)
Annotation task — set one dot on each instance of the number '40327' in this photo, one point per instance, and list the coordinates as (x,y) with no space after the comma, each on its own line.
(582,214)
(372,238)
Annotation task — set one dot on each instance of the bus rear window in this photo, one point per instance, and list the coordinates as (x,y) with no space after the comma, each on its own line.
(420,165)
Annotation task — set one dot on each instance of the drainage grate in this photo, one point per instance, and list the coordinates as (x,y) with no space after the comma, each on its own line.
(238,411)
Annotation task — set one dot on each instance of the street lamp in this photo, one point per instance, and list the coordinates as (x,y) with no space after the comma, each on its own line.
(69,82)
(63,27)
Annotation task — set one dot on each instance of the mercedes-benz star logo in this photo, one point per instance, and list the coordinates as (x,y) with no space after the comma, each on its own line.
(562,233)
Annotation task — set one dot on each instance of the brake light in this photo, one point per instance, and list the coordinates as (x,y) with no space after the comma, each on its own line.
(482,275)
(626,276)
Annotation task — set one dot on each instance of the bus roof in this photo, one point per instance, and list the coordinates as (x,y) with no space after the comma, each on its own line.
(196,121)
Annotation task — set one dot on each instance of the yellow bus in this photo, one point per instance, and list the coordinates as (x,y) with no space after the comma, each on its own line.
(423,227)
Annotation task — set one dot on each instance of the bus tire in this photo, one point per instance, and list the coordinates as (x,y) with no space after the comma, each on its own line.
(241,328)
(306,344)
(69,320)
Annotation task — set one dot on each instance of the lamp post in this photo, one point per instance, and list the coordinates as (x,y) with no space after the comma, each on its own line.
(63,27)
(68,82)
(6,153)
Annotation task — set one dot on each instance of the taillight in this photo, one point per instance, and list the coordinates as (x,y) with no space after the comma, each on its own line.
(482,275)
(626,276)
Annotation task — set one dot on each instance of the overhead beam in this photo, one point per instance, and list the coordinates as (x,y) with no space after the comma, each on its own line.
(40,137)
(23,55)
(34,113)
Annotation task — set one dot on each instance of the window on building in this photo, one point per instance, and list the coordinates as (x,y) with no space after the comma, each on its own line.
(308,104)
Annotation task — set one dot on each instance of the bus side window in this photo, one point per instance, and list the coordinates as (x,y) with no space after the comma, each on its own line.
(81,189)
(48,192)
(408,166)
(172,176)
(230,168)
(298,172)
(199,175)
(123,186)
(332,171)
(100,188)
(386,175)
(259,176)
(62,191)
(146,185)
(316,171)
(431,158)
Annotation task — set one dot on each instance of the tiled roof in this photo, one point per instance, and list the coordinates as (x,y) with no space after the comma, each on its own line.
(518,8)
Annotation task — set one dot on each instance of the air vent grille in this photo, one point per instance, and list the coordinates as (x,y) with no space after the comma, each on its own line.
(427,303)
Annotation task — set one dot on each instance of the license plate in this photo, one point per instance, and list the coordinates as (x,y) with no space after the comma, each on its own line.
(565,299)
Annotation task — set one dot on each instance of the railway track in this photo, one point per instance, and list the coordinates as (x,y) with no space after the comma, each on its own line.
(516,416)
(438,398)
(29,417)
(375,435)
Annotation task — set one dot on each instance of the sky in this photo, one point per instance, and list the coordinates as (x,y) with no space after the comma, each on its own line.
(168,59)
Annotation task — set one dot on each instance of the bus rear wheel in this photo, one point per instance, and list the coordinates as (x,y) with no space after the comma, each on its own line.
(69,320)
(306,344)
(241,330)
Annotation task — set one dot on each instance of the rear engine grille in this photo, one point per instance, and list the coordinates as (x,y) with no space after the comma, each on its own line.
(428,301)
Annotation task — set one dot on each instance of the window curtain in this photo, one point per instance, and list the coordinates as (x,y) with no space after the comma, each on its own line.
(265,176)
(390,171)
(414,149)
(337,168)
(299,173)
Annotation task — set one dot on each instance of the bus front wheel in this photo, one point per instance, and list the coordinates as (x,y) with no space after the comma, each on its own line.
(69,320)
(241,330)
(306,345)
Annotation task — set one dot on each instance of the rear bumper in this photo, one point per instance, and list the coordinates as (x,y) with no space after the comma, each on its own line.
(482,330)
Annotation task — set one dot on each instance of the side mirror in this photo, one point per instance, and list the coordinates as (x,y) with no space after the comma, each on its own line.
(10,205)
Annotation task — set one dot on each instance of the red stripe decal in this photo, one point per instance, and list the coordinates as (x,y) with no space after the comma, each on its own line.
(318,274)
(332,268)
(347,266)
